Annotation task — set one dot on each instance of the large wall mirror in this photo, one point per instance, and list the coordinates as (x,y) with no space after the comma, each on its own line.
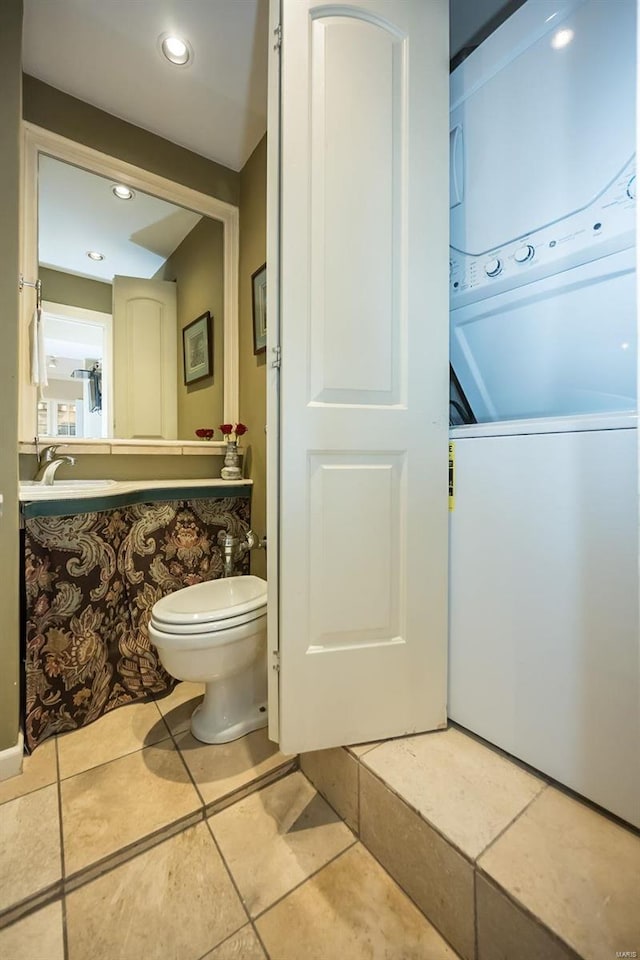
(139,334)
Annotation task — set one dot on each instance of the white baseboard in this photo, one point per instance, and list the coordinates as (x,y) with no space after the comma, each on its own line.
(11,759)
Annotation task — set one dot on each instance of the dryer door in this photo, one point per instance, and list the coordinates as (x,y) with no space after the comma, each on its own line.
(560,346)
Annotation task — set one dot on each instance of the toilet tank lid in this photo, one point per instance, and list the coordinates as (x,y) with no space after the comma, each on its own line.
(211,601)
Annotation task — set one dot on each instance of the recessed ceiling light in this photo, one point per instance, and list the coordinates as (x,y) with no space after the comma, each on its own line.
(121,192)
(176,49)
(562,38)
(94,255)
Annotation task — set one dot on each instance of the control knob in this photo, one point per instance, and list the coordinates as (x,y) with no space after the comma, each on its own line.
(524,253)
(631,188)
(493,267)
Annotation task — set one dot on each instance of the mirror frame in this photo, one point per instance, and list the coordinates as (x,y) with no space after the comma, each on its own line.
(36,140)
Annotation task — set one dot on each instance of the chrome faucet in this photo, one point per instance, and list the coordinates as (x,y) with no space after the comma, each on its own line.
(48,464)
(234,549)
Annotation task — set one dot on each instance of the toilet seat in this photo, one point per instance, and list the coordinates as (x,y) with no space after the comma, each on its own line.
(211,606)
(206,626)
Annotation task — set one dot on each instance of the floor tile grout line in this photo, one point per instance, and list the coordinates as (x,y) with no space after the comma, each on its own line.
(455,950)
(229,874)
(260,940)
(528,914)
(99,868)
(63,899)
(469,859)
(129,753)
(315,873)
(513,820)
(27,793)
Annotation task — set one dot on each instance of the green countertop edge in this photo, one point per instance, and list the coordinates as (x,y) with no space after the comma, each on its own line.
(73,505)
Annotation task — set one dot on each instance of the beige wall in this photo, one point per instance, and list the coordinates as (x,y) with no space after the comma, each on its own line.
(253,382)
(50,108)
(59,287)
(10,109)
(197,266)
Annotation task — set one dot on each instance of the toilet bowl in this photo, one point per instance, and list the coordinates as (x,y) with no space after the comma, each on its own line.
(216,633)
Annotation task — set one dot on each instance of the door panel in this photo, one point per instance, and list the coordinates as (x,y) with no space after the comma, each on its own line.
(146,355)
(363,277)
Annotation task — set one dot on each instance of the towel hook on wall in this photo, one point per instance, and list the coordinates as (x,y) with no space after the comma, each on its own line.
(37,286)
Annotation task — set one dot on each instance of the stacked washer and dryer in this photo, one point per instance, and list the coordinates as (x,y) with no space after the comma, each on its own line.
(544,533)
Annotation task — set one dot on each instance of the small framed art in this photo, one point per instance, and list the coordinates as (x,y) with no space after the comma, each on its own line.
(197,349)
(259,295)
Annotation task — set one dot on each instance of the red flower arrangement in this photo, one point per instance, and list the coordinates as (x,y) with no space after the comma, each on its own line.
(233,433)
(205,433)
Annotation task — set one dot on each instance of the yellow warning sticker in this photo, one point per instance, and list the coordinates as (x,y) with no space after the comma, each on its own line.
(452,476)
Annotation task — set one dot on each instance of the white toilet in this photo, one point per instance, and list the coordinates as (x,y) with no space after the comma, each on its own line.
(216,633)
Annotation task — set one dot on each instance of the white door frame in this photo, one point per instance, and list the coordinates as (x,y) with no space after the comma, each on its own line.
(37,140)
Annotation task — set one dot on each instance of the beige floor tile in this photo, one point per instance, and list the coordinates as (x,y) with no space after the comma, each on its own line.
(505,931)
(436,877)
(116,734)
(335,774)
(173,902)
(575,870)
(243,945)
(359,749)
(29,845)
(276,838)
(350,909)
(222,768)
(109,807)
(38,937)
(178,706)
(467,791)
(38,770)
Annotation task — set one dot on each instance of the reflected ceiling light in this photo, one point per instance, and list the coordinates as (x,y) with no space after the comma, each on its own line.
(562,38)
(94,255)
(176,49)
(624,346)
(121,192)
(53,362)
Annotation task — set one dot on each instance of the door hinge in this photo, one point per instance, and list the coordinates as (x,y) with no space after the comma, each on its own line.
(278,358)
(278,35)
(276,661)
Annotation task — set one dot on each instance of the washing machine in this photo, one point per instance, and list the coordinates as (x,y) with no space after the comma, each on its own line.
(543,626)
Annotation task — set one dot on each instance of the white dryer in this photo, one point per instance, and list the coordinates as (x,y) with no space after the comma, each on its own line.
(543,188)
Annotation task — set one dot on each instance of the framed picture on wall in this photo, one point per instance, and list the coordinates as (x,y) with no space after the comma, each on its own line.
(259,295)
(197,349)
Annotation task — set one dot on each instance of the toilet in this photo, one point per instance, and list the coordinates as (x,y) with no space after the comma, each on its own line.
(216,633)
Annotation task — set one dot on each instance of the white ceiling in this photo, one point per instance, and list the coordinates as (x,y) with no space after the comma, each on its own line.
(106,53)
(78,212)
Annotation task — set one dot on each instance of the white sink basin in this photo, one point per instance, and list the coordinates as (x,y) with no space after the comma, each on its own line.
(34,490)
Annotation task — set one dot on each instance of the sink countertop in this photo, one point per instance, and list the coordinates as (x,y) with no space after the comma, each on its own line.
(75,490)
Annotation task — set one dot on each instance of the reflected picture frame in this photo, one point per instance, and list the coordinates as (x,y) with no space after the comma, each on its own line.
(197,349)
(259,301)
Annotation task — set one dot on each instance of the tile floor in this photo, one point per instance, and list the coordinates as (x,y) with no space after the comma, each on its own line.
(504,864)
(134,842)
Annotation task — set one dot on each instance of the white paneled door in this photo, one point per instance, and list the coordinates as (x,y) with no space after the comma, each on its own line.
(363,329)
(145,349)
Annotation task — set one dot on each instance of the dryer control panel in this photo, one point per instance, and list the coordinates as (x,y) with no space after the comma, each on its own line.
(605,226)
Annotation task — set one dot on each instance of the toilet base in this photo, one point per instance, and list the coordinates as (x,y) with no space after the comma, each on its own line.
(202,730)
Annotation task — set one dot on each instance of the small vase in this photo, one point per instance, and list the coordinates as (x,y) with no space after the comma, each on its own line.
(231,469)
